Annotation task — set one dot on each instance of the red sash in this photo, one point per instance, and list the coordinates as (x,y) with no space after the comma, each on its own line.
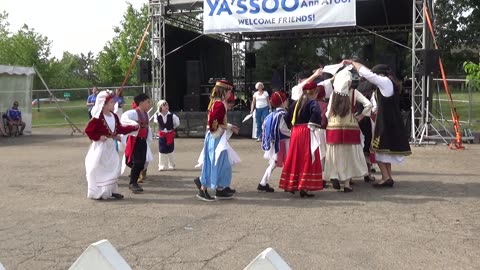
(169,136)
(343,136)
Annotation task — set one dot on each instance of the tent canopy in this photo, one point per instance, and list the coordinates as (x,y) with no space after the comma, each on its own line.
(15,70)
(16,84)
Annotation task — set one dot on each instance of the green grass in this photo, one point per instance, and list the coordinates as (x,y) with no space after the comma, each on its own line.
(50,115)
(462,108)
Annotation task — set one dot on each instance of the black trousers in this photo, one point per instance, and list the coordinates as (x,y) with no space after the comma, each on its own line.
(138,159)
(366,127)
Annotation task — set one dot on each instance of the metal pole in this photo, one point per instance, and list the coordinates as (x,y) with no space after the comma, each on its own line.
(470,105)
(427,106)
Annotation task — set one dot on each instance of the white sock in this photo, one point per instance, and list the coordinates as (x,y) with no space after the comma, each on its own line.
(268,173)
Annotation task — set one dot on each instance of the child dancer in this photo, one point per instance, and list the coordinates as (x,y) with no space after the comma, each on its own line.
(167,123)
(137,151)
(216,165)
(302,170)
(275,138)
(102,162)
(345,158)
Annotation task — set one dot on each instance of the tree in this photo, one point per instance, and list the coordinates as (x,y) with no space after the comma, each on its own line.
(457,29)
(473,74)
(457,23)
(114,60)
(305,54)
(24,48)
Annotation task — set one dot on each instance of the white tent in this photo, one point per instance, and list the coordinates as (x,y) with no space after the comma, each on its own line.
(16,83)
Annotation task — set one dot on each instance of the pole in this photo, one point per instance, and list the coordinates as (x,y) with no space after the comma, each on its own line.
(470,105)
(38,103)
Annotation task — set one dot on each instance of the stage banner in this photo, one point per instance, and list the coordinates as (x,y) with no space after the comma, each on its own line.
(229,16)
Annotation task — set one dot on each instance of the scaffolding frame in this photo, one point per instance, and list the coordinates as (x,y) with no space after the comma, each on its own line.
(188,14)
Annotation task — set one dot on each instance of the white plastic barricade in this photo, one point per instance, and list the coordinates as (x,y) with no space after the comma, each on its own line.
(269,259)
(100,256)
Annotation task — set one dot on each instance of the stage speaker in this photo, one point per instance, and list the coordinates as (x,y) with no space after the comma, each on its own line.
(194,79)
(429,61)
(191,103)
(144,71)
(250,60)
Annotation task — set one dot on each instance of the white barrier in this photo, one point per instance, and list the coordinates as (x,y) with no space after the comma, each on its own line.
(1,266)
(100,256)
(269,259)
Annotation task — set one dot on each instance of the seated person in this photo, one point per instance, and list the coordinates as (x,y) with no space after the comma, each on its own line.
(14,118)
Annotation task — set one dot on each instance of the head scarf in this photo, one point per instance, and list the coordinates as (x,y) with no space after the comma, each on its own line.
(102,98)
(160,103)
(341,84)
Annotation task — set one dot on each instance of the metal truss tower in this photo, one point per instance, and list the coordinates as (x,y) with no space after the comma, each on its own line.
(156,13)
(421,83)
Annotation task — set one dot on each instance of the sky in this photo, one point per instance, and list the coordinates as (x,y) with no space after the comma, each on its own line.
(76,26)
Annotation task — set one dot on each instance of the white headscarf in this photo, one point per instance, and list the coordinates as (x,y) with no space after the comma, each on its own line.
(100,102)
(341,84)
(160,104)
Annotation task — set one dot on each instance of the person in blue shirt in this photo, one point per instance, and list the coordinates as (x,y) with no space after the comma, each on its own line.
(91,101)
(14,118)
(119,102)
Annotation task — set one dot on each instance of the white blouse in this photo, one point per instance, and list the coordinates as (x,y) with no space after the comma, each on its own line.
(110,121)
(261,101)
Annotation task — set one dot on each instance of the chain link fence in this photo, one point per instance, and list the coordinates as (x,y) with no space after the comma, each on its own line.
(72,103)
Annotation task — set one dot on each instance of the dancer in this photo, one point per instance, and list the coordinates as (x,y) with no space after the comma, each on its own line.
(366,125)
(390,140)
(345,158)
(302,169)
(137,151)
(216,165)
(275,139)
(167,123)
(102,162)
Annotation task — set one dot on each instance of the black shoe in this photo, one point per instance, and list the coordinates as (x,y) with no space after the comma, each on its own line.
(386,183)
(303,193)
(204,196)
(335,183)
(223,195)
(117,196)
(265,188)
(197,183)
(325,183)
(135,188)
(347,189)
(368,178)
(291,191)
(229,190)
